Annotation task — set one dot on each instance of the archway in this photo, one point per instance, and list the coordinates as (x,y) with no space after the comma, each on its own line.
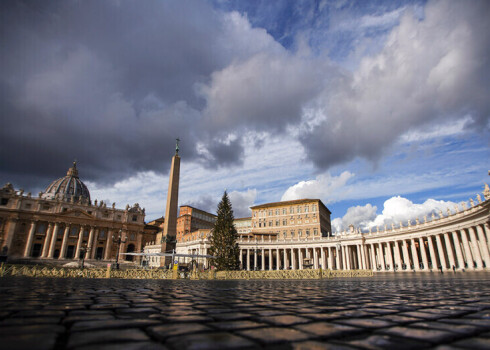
(130,249)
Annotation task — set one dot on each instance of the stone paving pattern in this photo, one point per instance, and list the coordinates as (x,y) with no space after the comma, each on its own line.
(384,312)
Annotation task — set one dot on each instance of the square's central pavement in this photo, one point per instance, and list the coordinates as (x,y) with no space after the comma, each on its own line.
(449,311)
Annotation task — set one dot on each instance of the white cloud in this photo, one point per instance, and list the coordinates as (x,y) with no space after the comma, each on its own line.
(326,187)
(395,210)
(242,201)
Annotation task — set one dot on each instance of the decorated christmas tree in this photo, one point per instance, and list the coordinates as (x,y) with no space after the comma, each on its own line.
(224,244)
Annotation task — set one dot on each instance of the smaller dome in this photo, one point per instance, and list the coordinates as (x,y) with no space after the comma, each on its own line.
(68,188)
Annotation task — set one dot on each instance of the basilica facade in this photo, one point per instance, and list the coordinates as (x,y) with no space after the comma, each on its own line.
(62,222)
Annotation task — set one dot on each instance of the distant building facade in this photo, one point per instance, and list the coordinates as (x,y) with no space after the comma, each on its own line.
(63,223)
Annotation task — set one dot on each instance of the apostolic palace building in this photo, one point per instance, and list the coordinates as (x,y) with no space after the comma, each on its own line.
(63,223)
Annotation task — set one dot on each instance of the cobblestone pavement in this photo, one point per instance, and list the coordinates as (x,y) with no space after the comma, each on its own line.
(384,312)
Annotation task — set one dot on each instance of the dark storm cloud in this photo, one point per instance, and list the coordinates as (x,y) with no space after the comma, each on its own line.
(109,83)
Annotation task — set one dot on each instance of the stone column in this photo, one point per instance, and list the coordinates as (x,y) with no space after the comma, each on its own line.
(467,250)
(483,245)
(293,259)
(344,263)
(64,243)
(47,241)
(10,234)
(322,256)
(359,259)
(88,253)
(300,258)
(262,259)
(381,256)
(94,243)
(449,250)
(440,252)
(406,256)
(278,259)
(457,248)
(390,256)
(363,257)
(79,242)
(424,254)
(486,228)
(315,259)
(54,236)
(255,259)
(248,259)
(270,259)
(240,257)
(476,249)
(285,257)
(433,257)
(398,260)
(373,258)
(348,257)
(108,245)
(415,255)
(30,238)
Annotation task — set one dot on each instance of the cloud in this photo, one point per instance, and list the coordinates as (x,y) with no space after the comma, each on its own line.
(429,72)
(242,201)
(325,186)
(395,210)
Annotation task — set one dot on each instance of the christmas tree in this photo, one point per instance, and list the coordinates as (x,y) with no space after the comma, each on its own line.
(224,244)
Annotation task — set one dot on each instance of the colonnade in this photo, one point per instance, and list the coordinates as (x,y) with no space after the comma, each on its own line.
(465,248)
(63,231)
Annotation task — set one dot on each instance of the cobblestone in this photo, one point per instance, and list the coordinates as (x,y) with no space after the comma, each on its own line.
(384,312)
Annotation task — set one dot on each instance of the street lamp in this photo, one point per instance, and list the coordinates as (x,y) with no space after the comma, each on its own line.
(118,240)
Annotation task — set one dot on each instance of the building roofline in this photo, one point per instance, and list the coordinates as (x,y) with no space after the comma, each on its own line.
(292,202)
(202,211)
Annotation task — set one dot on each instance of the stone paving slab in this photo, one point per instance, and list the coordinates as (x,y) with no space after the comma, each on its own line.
(385,312)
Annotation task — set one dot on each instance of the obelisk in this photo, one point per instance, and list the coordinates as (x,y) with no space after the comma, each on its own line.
(170,225)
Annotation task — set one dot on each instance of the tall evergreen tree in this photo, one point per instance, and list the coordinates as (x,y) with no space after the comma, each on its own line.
(224,244)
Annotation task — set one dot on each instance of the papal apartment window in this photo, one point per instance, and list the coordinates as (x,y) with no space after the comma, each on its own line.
(277,211)
(292,233)
(300,233)
(277,222)
(291,210)
(284,222)
(306,208)
(299,210)
(270,212)
(270,223)
(315,231)
(307,233)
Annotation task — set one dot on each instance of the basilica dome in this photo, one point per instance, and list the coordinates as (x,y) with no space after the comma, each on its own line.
(68,188)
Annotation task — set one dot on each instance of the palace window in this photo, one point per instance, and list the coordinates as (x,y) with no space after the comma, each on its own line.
(306,208)
(270,212)
(277,211)
(292,233)
(315,231)
(132,237)
(300,233)
(284,222)
(284,211)
(277,222)
(74,231)
(299,210)
(307,233)
(313,207)
(270,223)
(291,210)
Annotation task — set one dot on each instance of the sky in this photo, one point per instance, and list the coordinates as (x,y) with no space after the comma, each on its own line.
(378,108)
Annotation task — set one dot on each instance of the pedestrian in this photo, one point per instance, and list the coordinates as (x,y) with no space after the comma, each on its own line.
(454,269)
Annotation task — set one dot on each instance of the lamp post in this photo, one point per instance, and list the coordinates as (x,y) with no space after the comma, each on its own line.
(118,240)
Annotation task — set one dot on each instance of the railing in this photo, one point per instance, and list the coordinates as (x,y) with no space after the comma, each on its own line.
(38,271)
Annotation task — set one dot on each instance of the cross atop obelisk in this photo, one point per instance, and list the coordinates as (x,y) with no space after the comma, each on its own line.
(171,211)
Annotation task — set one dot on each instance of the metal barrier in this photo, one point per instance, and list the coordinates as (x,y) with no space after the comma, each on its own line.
(39,271)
